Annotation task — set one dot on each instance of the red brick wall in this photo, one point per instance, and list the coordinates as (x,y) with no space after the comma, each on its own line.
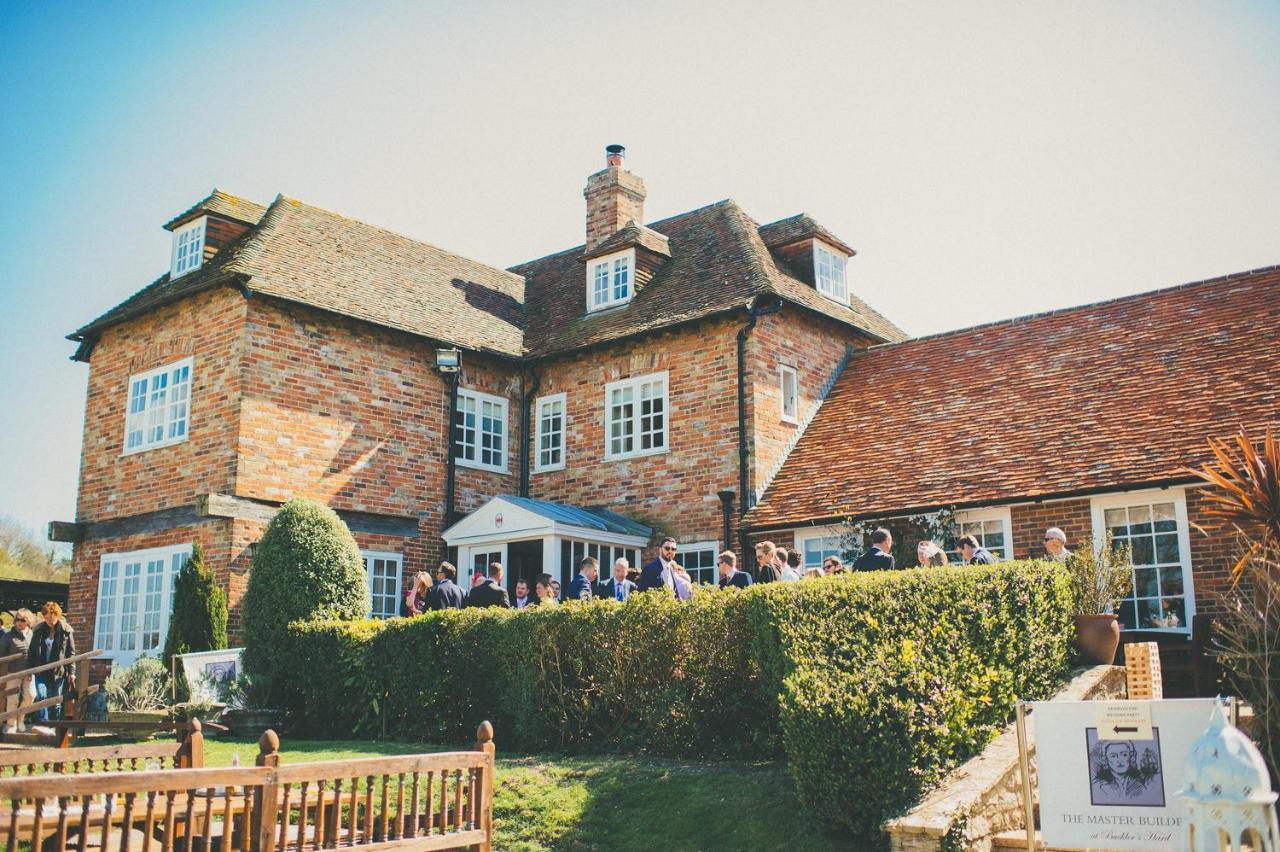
(112,485)
(792,338)
(675,492)
(1212,556)
(1029,523)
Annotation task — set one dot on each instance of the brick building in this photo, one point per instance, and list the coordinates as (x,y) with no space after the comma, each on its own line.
(632,386)
(637,385)
(1084,419)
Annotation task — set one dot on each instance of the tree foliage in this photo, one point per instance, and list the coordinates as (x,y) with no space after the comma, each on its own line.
(198,616)
(306,566)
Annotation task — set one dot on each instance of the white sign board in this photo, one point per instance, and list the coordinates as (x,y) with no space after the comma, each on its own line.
(1108,771)
(205,668)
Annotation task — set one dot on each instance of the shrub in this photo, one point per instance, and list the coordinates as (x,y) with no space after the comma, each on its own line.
(875,684)
(306,566)
(198,621)
(139,687)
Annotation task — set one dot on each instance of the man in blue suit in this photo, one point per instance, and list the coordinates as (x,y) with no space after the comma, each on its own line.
(580,588)
(727,562)
(619,588)
(446,594)
(657,572)
(878,558)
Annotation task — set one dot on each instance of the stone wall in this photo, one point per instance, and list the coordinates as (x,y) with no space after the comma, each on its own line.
(983,797)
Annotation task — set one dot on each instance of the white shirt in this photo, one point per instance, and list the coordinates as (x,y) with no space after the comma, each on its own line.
(521,603)
(789,574)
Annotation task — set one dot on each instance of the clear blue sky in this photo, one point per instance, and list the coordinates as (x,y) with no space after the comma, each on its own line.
(986,159)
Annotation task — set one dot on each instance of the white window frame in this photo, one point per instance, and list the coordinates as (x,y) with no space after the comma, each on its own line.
(636,420)
(985,516)
(802,538)
(834,288)
(187,252)
(713,547)
(110,636)
(546,402)
(784,373)
(176,406)
(618,268)
(369,557)
(1178,497)
(480,398)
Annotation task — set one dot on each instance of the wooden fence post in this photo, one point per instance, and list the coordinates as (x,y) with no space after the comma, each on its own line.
(266,798)
(484,743)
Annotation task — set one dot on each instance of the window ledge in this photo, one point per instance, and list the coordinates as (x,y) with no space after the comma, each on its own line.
(611,306)
(636,454)
(794,421)
(474,465)
(551,468)
(156,446)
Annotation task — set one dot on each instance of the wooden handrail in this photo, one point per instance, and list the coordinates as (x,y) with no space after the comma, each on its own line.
(65,661)
(43,703)
(12,658)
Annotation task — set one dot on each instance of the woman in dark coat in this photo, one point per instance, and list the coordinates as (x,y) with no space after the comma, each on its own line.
(52,640)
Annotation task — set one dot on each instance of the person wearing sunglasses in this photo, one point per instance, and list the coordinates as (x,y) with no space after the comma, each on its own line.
(660,572)
(1055,544)
(16,641)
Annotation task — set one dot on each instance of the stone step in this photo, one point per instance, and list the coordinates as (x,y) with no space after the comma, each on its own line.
(1008,841)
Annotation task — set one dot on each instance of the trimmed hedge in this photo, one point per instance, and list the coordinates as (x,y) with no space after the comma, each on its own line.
(873,684)
(306,566)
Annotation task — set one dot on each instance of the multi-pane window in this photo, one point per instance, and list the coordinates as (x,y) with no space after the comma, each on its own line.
(551,414)
(383,571)
(829,272)
(573,551)
(788,386)
(637,416)
(480,563)
(158,406)
(699,559)
(609,281)
(135,593)
(991,529)
(188,248)
(479,431)
(1155,532)
(814,549)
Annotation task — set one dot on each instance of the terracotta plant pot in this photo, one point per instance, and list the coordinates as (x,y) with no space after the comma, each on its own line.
(1098,636)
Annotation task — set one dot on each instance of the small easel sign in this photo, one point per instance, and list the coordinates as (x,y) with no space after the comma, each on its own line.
(1107,771)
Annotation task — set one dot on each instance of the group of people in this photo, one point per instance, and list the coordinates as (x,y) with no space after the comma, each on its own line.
(664,571)
(48,641)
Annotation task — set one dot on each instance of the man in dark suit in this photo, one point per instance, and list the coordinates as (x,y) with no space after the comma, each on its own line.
(657,573)
(445,594)
(581,587)
(972,551)
(618,587)
(878,558)
(727,562)
(488,590)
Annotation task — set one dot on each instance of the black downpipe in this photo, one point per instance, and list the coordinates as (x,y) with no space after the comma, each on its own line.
(526,457)
(450,453)
(726,508)
(755,310)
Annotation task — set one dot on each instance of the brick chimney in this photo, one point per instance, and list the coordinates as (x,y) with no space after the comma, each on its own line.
(614,197)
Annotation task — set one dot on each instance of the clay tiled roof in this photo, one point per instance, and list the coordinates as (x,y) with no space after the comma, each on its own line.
(224,204)
(1120,393)
(632,234)
(308,255)
(799,227)
(718,263)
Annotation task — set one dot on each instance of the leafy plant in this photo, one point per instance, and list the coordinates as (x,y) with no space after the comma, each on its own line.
(246,692)
(306,566)
(1246,499)
(1101,574)
(198,621)
(203,709)
(138,687)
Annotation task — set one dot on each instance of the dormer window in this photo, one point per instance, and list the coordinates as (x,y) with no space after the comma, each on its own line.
(828,269)
(188,248)
(610,280)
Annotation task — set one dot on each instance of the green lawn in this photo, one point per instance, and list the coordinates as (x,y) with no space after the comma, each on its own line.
(562,802)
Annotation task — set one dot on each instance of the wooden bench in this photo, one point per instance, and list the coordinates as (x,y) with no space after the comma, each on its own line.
(186,753)
(417,801)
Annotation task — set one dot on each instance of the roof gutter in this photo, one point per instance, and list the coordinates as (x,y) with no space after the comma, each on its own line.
(828,520)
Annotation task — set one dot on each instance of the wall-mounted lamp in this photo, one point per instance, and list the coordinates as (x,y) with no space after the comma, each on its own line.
(449,360)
